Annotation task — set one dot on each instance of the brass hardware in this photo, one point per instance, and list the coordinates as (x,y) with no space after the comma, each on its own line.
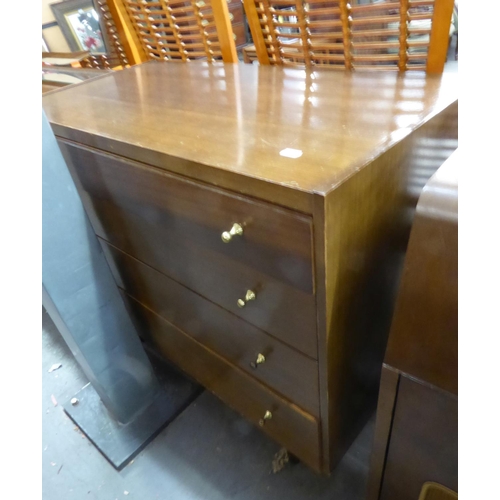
(267,416)
(260,359)
(236,230)
(234,36)
(231,16)
(248,297)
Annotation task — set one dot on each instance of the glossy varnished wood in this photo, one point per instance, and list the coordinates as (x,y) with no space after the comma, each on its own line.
(424,332)
(290,426)
(423,443)
(363,146)
(175,226)
(218,121)
(50,87)
(440,36)
(285,370)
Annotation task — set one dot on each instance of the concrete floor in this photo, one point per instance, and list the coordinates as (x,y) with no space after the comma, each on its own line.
(209,452)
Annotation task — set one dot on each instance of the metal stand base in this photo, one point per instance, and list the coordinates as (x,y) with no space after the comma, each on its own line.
(121,443)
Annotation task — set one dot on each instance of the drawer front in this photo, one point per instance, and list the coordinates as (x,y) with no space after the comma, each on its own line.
(289,426)
(174,225)
(285,370)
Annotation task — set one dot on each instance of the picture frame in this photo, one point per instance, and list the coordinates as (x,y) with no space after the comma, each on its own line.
(81,25)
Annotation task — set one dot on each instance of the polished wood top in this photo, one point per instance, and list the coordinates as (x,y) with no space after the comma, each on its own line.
(243,118)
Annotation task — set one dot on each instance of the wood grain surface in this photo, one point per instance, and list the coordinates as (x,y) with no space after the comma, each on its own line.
(285,370)
(237,118)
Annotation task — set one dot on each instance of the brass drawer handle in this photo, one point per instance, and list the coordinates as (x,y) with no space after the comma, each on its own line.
(236,230)
(260,359)
(248,297)
(267,416)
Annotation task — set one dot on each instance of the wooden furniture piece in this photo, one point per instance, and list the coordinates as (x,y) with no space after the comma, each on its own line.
(417,422)
(68,59)
(385,34)
(108,55)
(249,54)
(253,217)
(175,30)
(237,18)
(81,59)
(116,47)
(435,491)
(60,69)
(49,87)
(54,77)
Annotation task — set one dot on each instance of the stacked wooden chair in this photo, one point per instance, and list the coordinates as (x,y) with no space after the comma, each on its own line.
(115,57)
(379,35)
(174,30)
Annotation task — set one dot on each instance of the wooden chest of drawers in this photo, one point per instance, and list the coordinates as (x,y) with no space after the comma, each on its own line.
(237,18)
(255,219)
